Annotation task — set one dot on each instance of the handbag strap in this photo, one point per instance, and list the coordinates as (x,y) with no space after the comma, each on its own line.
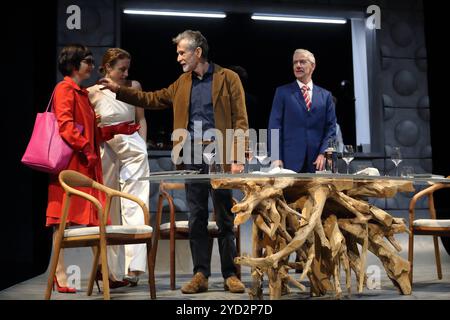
(51,99)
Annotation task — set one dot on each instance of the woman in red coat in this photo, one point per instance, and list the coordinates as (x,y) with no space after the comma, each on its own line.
(72,106)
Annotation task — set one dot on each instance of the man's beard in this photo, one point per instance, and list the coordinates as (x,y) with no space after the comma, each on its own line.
(185,68)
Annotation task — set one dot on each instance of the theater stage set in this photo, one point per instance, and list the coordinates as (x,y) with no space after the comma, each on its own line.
(381,80)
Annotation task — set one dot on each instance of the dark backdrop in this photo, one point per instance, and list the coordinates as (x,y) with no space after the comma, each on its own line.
(438,66)
(264,49)
(28,67)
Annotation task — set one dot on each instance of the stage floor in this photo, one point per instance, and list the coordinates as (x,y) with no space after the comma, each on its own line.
(33,289)
(426,285)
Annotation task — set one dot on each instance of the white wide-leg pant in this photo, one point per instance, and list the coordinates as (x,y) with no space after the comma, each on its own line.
(124,161)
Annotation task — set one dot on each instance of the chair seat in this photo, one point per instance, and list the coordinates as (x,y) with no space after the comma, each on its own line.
(433,223)
(115,229)
(184,224)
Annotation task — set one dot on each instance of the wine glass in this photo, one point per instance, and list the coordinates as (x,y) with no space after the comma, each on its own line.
(396,158)
(261,152)
(249,155)
(209,153)
(348,155)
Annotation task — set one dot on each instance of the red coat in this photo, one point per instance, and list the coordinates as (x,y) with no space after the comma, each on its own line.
(71,105)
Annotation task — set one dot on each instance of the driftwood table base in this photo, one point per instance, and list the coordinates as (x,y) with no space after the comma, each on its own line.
(323,221)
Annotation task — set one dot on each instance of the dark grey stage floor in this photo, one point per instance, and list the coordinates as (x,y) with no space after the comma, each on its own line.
(426,285)
(33,289)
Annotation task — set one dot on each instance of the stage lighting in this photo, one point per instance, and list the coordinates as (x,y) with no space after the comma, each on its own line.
(289,18)
(199,14)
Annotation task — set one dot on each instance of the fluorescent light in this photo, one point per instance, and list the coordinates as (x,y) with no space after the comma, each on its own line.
(176,13)
(269,17)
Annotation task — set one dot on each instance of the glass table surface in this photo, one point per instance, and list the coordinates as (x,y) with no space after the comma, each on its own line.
(419,179)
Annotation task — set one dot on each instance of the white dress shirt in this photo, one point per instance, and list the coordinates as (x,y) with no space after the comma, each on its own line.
(310,86)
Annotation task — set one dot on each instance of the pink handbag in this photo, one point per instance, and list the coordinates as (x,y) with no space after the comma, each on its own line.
(47,151)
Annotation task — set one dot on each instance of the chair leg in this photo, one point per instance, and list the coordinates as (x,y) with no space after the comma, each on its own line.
(151,270)
(105,271)
(172,263)
(238,251)
(93,270)
(52,271)
(411,256)
(210,246)
(438,257)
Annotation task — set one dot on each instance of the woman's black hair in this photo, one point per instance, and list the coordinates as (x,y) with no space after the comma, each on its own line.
(70,58)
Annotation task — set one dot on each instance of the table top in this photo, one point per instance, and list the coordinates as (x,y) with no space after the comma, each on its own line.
(186,176)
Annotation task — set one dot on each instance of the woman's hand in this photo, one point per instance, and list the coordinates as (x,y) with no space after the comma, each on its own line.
(89,158)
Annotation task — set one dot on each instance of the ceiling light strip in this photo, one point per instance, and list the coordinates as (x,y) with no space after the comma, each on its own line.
(219,15)
(298,19)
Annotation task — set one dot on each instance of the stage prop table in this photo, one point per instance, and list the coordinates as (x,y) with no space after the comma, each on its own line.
(320,218)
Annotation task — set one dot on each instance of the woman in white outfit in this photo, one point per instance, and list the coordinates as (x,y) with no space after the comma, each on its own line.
(124,160)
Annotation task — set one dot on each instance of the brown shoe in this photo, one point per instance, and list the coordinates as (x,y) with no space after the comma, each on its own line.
(234,285)
(198,283)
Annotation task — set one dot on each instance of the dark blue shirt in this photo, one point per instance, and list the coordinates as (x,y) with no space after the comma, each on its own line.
(201,107)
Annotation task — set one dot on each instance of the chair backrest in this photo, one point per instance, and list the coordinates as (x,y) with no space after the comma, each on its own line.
(70,179)
(165,187)
(430,193)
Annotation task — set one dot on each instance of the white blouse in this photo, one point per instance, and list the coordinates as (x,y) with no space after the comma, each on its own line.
(111,110)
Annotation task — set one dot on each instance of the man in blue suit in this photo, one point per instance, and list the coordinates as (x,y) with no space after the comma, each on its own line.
(304,115)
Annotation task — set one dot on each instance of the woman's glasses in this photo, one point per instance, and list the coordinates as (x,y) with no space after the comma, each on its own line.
(89,60)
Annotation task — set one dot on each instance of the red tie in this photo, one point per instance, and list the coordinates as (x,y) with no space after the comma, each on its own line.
(305,93)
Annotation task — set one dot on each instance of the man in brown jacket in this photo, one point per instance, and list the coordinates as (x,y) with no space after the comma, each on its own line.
(213,97)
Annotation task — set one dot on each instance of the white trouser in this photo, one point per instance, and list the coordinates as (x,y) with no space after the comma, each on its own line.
(124,161)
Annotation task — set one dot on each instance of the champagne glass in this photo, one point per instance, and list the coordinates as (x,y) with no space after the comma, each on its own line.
(261,152)
(396,158)
(348,155)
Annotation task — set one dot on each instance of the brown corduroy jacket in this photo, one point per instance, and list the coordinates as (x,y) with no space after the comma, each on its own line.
(228,100)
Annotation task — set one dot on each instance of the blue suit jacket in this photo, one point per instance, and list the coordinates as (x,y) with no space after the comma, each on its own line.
(303,134)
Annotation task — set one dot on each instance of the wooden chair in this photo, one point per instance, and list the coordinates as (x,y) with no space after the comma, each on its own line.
(179,230)
(434,227)
(102,236)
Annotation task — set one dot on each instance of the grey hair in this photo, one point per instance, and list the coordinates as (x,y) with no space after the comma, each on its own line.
(307,53)
(195,39)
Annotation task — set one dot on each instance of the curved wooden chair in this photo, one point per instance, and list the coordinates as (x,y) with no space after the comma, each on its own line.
(102,236)
(434,227)
(179,230)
